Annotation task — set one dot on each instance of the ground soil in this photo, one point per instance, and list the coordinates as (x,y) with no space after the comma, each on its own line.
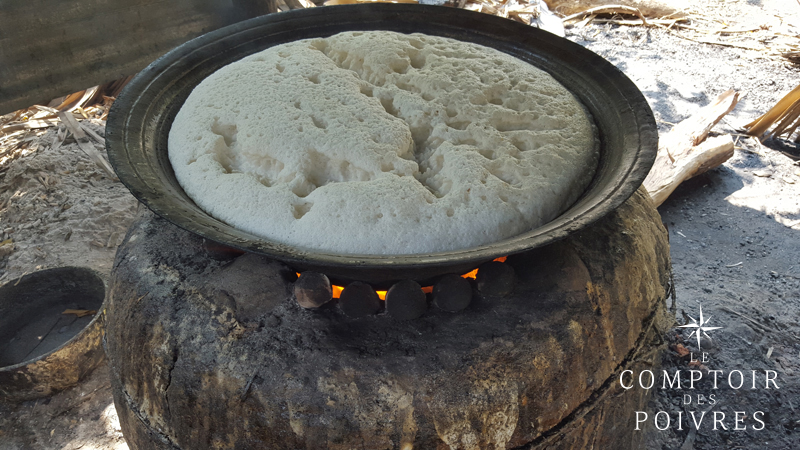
(734,232)
(734,235)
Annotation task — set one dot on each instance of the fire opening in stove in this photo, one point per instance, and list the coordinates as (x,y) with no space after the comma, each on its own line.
(406,299)
(337,290)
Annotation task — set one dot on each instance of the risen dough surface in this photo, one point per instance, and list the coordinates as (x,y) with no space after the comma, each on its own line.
(382,143)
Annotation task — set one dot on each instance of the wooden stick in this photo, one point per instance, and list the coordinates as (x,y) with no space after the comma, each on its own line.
(58,139)
(696,127)
(682,154)
(754,322)
(663,180)
(9,136)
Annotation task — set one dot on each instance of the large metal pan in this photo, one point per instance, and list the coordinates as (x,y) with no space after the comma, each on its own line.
(136,134)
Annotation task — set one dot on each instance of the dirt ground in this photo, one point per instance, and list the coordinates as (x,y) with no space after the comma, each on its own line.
(734,234)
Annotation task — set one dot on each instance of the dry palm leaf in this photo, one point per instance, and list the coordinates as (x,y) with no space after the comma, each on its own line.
(79,99)
(27,125)
(92,103)
(784,115)
(80,137)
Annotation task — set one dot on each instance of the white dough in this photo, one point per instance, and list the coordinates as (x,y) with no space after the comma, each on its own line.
(382,143)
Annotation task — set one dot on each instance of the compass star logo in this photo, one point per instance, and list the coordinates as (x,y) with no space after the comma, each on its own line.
(700,327)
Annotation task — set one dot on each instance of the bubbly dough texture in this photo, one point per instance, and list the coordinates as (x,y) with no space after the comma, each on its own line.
(382,143)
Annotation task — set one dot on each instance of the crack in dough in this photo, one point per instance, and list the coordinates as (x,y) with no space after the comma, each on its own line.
(402,143)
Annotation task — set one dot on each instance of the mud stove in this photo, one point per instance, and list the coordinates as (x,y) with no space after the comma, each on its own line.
(212,348)
(217,353)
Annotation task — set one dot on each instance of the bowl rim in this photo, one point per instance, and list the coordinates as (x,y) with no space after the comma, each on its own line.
(137,113)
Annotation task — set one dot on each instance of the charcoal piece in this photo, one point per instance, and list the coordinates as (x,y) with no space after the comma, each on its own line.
(495,278)
(312,290)
(405,300)
(359,300)
(220,252)
(452,293)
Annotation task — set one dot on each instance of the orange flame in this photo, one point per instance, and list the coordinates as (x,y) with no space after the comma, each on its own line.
(337,290)
(474,273)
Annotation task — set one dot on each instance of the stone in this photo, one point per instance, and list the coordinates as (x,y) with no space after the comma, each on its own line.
(452,293)
(359,300)
(312,290)
(495,279)
(405,300)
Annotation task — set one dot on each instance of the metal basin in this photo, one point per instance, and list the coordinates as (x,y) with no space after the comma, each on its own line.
(139,123)
(43,350)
